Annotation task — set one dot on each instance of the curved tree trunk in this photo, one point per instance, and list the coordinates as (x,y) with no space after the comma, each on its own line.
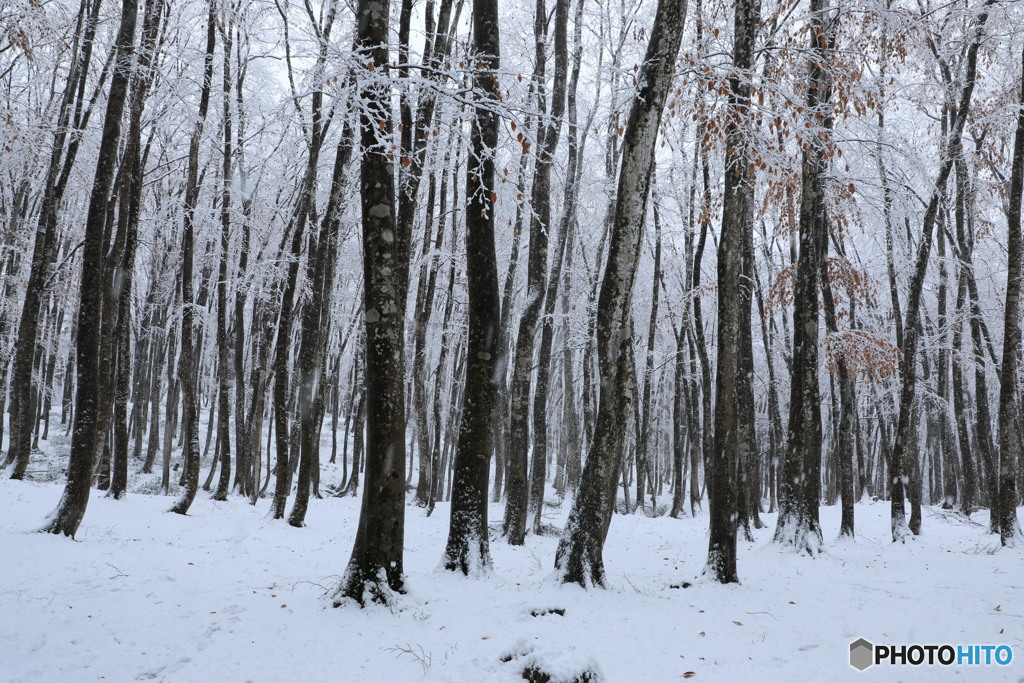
(225,369)
(45,245)
(189,357)
(905,436)
(579,558)
(72,506)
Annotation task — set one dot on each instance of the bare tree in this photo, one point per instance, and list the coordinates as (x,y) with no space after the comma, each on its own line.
(467,549)
(580,552)
(188,360)
(1009,437)
(737,214)
(375,569)
(73,502)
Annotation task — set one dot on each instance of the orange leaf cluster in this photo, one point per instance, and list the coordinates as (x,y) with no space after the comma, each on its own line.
(863,353)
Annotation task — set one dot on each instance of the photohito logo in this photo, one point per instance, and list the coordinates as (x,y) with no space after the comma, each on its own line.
(864,654)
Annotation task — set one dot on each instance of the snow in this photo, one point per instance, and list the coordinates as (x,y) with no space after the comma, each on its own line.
(227,594)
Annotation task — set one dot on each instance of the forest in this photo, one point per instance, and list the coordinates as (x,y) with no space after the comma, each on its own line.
(518,273)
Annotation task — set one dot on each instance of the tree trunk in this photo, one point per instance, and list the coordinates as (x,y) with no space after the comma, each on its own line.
(799,491)
(737,210)
(188,362)
(45,243)
(375,568)
(579,558)
(1009,442)
(71,509)
(643,467)
(467,549)
(549,144)
(322,256)
(524,491)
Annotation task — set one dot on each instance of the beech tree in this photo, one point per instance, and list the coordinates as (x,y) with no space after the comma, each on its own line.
(1009,437)
(375,569)
(467,549)
(737,214)
(579,558)
(187,362)
(71,509)
(800,487)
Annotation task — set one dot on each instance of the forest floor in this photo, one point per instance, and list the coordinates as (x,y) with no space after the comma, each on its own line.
(226,594)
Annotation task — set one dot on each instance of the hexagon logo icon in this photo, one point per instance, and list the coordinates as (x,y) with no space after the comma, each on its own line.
(862,654)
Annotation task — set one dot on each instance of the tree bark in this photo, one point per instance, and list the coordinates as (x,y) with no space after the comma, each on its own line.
(467,549)
(520,478)
(579,558)
(1009,442)
(799,490)
(188,361)
(549,143)
(737,210)
(71,510)
(376,569)
(45,243)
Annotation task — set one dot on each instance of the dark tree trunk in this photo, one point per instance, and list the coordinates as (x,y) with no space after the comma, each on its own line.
(643,467)
(704,218)
(225,370)
(131,200)
(748,506)
(72,506)
(799,490)
(521,482)
(247,462)
(946,447)
(10,267)
(681,426)
(1009,441)
(284,344)
(576,143)
(375,568)
(188,362)
(467,549)
(502,421)
(579,558)
(847,427)
(323,251)
(737,211)
(45,243)
(173,392)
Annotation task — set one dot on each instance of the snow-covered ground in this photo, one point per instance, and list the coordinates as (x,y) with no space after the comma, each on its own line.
(226,594)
